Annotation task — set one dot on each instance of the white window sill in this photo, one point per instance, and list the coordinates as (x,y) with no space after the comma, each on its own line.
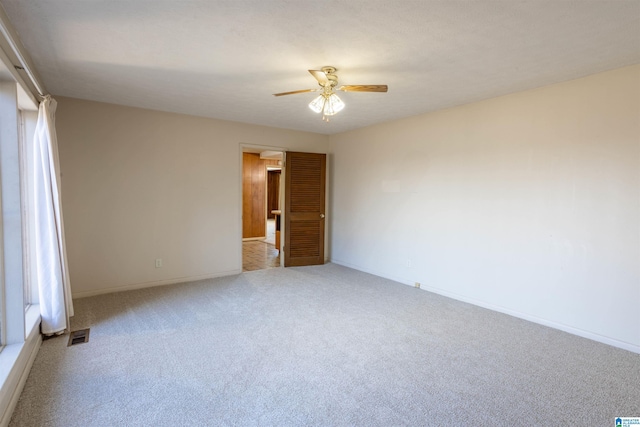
(32,319)
(11,352)
(14,358)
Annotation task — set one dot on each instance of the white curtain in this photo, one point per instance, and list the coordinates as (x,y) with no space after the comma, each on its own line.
(51,261)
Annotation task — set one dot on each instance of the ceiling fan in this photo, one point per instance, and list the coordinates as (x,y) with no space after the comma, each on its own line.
(328,102)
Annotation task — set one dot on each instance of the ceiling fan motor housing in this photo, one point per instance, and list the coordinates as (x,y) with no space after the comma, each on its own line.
(333,79)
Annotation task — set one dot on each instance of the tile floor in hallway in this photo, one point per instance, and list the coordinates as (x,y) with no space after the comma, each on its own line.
(261,254)
(258,255)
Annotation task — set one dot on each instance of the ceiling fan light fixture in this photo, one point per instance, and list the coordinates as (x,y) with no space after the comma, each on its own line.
(333,105)
(317,105)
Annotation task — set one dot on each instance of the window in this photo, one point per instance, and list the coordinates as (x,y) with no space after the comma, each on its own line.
(19,323)
(28,120)
(16,134)
(11,221)
(19,312)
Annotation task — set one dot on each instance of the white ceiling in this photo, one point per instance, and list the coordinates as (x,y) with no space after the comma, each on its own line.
(225,59)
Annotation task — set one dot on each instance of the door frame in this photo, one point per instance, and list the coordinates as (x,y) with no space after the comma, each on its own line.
(256,148)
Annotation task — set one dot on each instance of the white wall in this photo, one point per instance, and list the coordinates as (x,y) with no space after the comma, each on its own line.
(139,185)
(527,204)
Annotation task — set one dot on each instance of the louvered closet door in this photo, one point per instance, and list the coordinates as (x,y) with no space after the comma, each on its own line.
(304,209)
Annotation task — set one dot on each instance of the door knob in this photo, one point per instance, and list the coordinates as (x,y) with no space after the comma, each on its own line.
(321,215)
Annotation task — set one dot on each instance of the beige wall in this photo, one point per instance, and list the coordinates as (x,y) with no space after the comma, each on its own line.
(139,185)
(528,204)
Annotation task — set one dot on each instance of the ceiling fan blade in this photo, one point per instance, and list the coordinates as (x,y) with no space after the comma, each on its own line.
(364,88)
(296,91)
(320,76)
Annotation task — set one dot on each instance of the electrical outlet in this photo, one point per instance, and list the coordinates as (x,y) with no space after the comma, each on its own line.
(407,263)
(417,285)
(158,262)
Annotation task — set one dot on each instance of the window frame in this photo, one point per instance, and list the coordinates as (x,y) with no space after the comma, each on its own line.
(28,120)
(19,312)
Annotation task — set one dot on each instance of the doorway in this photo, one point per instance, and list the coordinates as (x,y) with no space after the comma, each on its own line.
(261,201)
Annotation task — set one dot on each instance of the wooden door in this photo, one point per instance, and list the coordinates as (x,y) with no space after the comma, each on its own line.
(304,209)
(273,192)
(254,198)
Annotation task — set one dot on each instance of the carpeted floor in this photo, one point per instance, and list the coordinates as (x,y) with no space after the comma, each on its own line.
(319,346)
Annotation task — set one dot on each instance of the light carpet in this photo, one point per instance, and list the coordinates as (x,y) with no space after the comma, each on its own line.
(319,346)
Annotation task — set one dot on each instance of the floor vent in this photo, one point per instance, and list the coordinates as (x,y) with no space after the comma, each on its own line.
(78,337)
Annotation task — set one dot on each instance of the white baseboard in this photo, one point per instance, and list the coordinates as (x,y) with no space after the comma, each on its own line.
(173,281)
(23,355)
(372,271)
(555,325)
